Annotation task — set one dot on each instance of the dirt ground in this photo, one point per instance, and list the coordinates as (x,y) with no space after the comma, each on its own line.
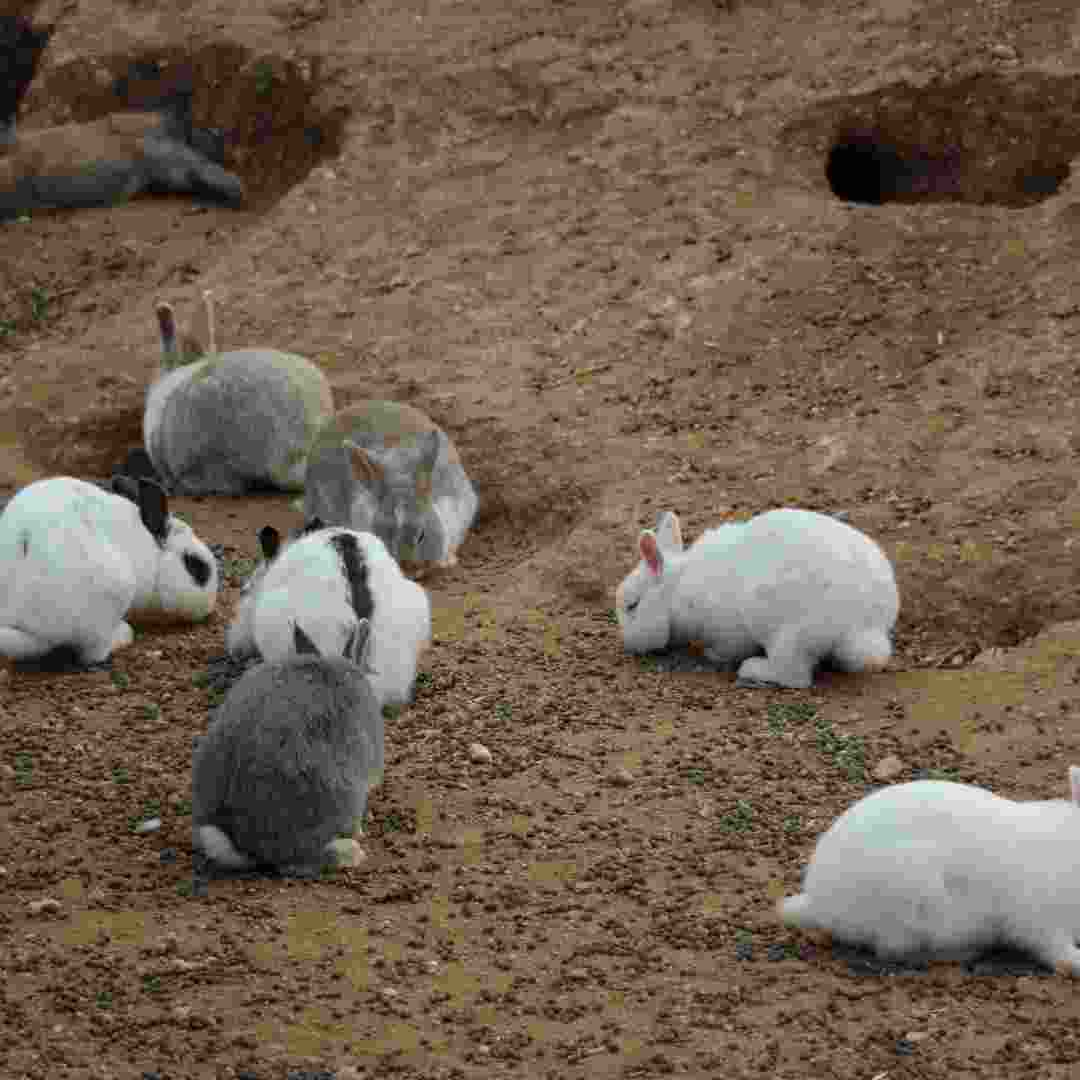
(597,243)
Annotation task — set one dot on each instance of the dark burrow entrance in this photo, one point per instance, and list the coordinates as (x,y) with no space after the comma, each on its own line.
(268,118)
(985,139)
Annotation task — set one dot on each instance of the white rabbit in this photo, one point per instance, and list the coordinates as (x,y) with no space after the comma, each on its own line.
(229,422)
(285,768)
(386,467)
(798,586)
(934,867)
(76,561)
(328,579)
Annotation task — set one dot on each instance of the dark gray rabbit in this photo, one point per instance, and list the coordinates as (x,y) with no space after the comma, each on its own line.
(283,773)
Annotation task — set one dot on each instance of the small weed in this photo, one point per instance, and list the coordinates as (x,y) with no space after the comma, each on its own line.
(237,567)
(182,807)
(740,819)
(612,617)
(792,824)
(24,769)
(120,680)
(648,663)
(150,712)
(782,713)
(503,711)
(391,712)
(393,822)
(264,79)
(104,999)
(152,984)
(216,696)
(120,775)
(7,326)
(848,752)
(425,680)
(695,775)
(39,303)
(947,773)
(200,679)
(185,888)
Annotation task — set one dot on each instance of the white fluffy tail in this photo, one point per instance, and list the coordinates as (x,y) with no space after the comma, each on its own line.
(795,911)
(217,846)
(863,650)
(19,645)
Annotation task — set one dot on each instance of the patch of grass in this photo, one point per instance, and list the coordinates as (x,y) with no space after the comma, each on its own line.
(200,679)
(738,820)
(238,567)
(120,775)
(792,824)
(848,752)
(152,984)
(120,679)
(425,680)
(503,711)
(612,617)
(7,326)
(150,712)
(947,773)
(648,662)
(185,888)
(782,713)
(391,712)
(216,696)
(182,807)
(394,822)
(24,769)
(695,774)
(264,79)
(104,999)
(39,303)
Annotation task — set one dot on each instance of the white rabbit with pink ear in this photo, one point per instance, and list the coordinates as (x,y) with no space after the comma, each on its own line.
(776,596)
(937,868)
(76,562)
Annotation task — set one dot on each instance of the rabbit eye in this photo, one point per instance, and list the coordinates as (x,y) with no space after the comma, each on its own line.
(420,537)
(198,568)
(631,606)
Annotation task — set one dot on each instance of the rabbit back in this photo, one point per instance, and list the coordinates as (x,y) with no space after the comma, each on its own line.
(289,758)
(236,421)
(800,586)
(934,867)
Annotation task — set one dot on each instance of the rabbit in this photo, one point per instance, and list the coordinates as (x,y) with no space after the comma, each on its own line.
(385,467)
(329,579)
(225,423)
(77,561)
(286,765)
(934,867)
(109,160)
(798,586)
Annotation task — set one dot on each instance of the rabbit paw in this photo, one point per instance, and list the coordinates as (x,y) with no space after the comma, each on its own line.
(759,671)
(345,851)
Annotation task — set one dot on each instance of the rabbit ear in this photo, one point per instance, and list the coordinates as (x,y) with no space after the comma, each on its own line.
(154,509)
(127,486)
(357,645)
(269,542)
(650,552)
(303,645)
(170,353)
(1074,784)
(669,531)
(312,525)
(366,470)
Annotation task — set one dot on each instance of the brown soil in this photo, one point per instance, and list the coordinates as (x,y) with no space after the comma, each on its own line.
(597,243)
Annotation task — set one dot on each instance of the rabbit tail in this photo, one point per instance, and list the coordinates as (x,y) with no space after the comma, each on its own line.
(796,911)
(219,848)
(866,649)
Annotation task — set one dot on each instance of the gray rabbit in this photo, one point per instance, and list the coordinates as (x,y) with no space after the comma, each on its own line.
(105,161)
(285,768)
(385,467)
(225,423)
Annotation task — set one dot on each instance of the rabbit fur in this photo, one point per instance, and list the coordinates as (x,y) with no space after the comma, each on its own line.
(287,762)
(385,467)
(76,561)
(225,423)
(934,867)
(329,579)
(798,586)
(105,161)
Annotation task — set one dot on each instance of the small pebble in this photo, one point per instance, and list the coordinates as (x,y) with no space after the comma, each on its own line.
(167,855)
(888,768)
(904,1047)
(776,952)
(47,906)
(622,777)
(479,754)
(744,950)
